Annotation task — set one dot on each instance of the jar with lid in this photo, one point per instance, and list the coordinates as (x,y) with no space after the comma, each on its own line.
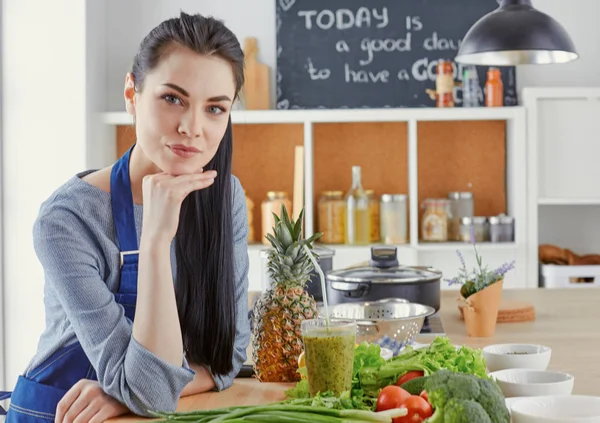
(272,204)
(250,213)
(478,224)
(373,215)
(444,85)
(461,205)
(434,223)
(502,228)
(332,214)
(393,219)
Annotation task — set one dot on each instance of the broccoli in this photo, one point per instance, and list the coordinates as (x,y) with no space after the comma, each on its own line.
(462,398)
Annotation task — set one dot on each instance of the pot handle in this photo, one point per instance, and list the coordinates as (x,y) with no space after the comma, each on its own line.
(351,289)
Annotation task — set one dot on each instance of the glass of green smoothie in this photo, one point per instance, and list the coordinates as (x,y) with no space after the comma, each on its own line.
(329,354)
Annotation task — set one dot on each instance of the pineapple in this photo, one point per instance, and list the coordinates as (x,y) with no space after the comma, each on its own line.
(279,312)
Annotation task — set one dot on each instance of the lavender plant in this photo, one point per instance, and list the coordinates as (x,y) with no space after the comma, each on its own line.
(480,277)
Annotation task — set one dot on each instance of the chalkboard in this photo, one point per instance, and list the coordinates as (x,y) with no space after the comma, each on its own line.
(373,53)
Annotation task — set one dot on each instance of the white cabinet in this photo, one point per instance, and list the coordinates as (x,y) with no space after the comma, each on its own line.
(563,172)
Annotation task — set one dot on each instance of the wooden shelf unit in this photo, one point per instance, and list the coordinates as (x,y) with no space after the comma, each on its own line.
(423,153)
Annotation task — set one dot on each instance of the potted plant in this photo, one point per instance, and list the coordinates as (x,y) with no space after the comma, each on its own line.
(480,293)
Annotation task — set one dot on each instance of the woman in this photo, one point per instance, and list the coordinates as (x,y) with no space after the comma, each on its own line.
(180,267)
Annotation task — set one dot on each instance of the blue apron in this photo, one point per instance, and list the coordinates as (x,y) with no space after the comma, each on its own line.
(36,396)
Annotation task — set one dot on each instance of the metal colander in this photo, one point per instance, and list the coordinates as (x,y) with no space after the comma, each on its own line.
(392,322)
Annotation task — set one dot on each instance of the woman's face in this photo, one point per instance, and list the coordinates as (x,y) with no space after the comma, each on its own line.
(182,110)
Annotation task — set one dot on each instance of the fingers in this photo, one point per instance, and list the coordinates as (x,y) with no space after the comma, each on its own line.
(109,411)
(88,413)
(66,403)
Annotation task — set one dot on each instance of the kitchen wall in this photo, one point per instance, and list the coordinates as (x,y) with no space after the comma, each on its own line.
(132,19)
(64,62)
(46,116)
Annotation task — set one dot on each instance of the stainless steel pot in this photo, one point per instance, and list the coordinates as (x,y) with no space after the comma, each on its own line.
(384,278)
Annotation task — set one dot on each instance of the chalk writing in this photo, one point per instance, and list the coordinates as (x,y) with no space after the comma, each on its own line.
(388,53)
(343,19)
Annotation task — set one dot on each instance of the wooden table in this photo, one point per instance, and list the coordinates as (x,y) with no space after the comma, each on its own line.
(568,321)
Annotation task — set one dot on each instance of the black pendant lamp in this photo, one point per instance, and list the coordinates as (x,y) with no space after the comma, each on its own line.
(516,34)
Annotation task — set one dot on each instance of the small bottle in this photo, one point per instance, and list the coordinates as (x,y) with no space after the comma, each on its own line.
(358,231)
(444,84)
(494,88)
(471,88)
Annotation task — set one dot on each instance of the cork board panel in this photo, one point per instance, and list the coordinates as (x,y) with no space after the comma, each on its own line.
(263,160)
(125,138)
(381,149)
(464,156)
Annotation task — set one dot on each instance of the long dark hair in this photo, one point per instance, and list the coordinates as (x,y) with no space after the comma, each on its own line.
(205,288)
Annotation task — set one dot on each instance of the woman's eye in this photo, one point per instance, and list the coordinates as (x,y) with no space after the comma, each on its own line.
(171,99)
(215,110)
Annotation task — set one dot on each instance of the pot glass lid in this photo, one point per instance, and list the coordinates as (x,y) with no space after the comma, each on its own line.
(397,274)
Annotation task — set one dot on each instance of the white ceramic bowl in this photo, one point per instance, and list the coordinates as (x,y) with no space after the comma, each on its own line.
(516,356)
(532,383)
(556,409)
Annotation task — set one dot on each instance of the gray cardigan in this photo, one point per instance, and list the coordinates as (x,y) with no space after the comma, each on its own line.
(75,241)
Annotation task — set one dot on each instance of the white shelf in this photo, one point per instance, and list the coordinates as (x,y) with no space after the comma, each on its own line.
(463,246)
(438,246)
(569,201)
(351,115)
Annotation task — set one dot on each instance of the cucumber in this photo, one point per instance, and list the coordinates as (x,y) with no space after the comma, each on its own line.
(415,386)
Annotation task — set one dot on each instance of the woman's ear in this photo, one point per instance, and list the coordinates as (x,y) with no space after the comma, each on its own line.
(129,94)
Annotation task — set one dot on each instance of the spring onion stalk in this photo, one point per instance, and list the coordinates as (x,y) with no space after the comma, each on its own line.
(286,413)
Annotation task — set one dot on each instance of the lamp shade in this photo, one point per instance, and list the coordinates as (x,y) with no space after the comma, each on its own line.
(516,34)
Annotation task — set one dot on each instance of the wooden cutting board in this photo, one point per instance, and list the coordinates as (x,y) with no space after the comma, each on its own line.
(256,92)
(512,311)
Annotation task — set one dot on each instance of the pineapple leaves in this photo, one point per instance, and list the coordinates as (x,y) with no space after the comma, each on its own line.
(313,238)
(298,226)
(275,243)
(286,219)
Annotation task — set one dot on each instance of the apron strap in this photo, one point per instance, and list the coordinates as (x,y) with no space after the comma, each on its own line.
(4,395)
(122,208)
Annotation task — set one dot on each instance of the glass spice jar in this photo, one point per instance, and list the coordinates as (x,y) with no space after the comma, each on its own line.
(461,205)
(434,223)
(393,219)
(332,214)
(502,228)
(272,204)
(374,215)
(479,226)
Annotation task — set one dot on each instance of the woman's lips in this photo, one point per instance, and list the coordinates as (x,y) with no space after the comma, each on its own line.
(183,151)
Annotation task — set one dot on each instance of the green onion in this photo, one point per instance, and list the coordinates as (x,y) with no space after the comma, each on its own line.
(284,413)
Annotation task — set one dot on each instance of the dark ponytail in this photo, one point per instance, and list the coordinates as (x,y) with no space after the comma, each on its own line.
(205,288)
(205,279)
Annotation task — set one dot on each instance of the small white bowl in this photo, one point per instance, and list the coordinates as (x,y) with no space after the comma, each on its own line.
(557,409)
(516,356)
(532,383)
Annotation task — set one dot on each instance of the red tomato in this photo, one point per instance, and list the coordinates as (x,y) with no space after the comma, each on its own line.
(424,395)
(409,376)
(391,397)
(418,410)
